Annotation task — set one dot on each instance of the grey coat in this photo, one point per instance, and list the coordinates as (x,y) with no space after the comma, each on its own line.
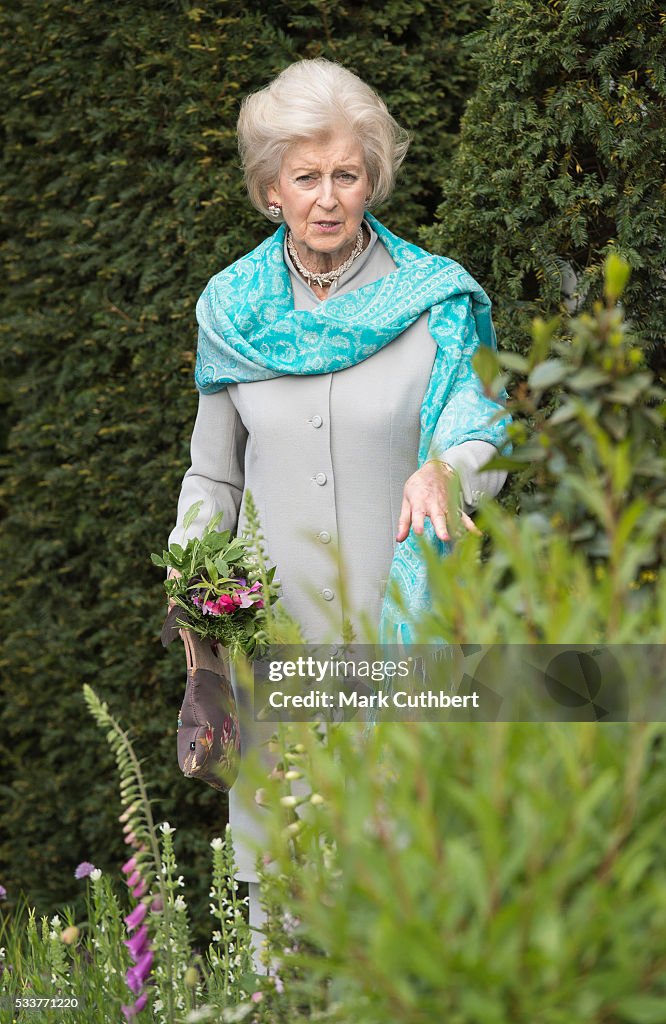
(325,458)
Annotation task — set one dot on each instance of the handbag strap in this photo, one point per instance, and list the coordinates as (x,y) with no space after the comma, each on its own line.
(199,653)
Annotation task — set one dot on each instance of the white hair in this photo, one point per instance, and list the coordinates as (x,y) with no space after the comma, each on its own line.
(311,99)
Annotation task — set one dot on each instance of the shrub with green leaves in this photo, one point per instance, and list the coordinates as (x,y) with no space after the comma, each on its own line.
(583,560)
(474,873)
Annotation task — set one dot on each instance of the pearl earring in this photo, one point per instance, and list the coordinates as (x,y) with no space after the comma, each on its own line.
(274,210)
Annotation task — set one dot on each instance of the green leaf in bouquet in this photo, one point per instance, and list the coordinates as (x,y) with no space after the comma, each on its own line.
(212,525)
(192,513)
(176,550)
(217,540)
(211,570)
(158,560)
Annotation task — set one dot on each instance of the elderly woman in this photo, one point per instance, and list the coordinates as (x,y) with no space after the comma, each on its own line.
(335,378)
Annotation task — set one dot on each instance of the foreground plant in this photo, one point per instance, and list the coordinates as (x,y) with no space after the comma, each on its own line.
(582,562)
(139,961)
(474,872)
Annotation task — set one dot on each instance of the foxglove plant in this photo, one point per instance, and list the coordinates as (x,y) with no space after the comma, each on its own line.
(157,936)
(140,834)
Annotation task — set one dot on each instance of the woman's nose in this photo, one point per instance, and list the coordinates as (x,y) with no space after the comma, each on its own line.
(327,196)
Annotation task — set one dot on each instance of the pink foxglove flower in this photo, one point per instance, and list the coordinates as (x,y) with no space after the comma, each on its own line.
(130,1012)
(136,976)
(137,945)
(134,919)
(140,890)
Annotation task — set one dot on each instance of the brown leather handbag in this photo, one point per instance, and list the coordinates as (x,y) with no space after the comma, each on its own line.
(208,734)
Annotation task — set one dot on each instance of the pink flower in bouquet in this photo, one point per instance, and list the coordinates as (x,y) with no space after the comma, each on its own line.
(243,596)
(222,605)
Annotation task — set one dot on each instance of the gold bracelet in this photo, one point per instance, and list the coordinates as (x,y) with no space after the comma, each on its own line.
(443,463)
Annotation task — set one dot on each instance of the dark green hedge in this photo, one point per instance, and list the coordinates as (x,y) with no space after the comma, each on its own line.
(562,158)
(121,195)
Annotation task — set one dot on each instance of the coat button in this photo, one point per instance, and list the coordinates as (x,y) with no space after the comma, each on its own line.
(317,421)
(327,594)
(320,479)
(325,537)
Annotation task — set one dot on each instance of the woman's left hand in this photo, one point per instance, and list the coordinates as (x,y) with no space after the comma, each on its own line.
(426,494)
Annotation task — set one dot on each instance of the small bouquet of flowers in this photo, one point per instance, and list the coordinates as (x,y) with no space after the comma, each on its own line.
(222,585)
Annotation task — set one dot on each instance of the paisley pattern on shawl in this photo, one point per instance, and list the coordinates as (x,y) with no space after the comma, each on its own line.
(250,331)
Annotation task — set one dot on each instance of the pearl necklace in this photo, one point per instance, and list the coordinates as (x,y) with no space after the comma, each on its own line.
(332,275)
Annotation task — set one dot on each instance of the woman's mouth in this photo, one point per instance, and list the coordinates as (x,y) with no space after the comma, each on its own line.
(327,225)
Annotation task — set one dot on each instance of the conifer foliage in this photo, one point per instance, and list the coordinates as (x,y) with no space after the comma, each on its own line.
(562,158)
(122,195)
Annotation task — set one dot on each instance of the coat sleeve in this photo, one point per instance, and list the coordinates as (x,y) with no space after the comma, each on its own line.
(216,474)
(468,460)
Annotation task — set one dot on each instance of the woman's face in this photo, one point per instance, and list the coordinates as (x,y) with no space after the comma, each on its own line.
(322,189)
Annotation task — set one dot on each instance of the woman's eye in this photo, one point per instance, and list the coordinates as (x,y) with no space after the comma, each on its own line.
(348,176)
(304,178)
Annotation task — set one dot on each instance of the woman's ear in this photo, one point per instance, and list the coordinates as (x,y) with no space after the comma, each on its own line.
(273,194)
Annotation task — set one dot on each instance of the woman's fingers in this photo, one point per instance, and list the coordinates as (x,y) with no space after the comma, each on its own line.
(469,524)
(418,519)
(404,521)
(425,497)
(440,524)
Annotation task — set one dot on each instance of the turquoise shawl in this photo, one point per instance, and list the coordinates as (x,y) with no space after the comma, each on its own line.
(249,331)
